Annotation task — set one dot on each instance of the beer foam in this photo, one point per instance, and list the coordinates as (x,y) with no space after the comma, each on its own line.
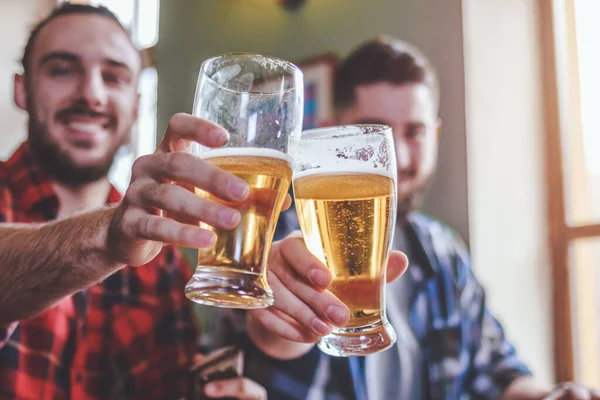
(346,170)
(246,152)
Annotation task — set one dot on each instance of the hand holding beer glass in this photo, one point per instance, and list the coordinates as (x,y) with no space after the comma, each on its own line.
(345,192)
(259,101)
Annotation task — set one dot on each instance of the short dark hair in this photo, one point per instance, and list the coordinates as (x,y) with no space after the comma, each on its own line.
(65,9)
(383,59)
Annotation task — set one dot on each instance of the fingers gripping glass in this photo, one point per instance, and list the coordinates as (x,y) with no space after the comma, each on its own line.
(345,192)
(259,101)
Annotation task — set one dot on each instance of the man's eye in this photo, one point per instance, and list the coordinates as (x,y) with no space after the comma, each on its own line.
(60,71)
(115,78)
(415,132)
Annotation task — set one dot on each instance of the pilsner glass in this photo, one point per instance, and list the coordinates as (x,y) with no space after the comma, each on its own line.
(345,192)
(259,101)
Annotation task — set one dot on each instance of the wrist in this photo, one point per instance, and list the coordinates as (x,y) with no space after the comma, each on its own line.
(273,345)
(90,233)
(107,241)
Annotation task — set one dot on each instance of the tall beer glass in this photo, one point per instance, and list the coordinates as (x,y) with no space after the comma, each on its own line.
(259,101)
(345,192)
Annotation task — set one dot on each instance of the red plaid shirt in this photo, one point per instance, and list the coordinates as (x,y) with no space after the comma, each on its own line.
(131,336)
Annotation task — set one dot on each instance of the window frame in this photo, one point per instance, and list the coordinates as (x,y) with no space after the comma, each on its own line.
(563,124)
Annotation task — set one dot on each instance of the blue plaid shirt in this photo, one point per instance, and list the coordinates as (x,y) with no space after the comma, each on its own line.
(466,353)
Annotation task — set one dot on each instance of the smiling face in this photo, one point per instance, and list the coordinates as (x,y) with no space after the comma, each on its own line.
(81,95)
(410,110)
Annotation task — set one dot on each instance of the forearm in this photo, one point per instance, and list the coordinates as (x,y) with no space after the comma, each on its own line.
(526,388)
(273,345)
(42,264)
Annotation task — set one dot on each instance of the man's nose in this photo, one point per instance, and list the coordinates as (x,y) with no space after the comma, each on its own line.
(93,90)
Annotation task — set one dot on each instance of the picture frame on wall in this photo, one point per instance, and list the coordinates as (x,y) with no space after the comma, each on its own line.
(318,90)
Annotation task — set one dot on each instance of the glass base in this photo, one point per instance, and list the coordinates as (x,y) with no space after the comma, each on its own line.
(348,342)
(215,286)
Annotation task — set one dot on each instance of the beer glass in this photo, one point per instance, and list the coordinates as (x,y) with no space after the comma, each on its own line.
(259,101)
(345,192)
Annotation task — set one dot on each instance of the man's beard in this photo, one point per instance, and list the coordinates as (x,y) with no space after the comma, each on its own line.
(57,162)
(414,200)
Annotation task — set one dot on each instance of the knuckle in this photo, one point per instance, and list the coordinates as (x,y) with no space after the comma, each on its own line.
(174,122)
(139,166)
(147,194)
(141,228)
(133,193)
(160,159)
(129,196)
(285,273)
(171,163)
(286,245)
(182,201)
(275,252)
(162,193)
(273,274)
(213,176)
(289,248)
(153,197)
(176,163)
(128,226)
(146,227)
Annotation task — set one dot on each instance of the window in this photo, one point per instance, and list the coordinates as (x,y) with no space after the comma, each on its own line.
(584,194)
(570,31)
(584,257)
(140,17)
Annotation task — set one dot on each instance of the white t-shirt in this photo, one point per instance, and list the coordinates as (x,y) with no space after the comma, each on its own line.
(397,373)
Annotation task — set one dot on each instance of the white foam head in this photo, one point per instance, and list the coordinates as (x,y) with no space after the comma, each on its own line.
(246,152)
(343,170)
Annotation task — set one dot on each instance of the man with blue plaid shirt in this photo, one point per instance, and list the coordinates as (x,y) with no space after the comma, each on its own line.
(449,345)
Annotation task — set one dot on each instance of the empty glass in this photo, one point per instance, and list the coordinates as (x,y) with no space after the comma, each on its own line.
(259,101)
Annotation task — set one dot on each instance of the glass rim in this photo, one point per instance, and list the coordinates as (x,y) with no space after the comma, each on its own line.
(287,65)
(336,132)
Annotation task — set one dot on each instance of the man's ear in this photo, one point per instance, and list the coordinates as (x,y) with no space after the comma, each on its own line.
(438,128)
(20,92)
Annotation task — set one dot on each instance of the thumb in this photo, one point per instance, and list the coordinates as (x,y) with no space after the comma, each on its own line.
(397,265)
(287,203)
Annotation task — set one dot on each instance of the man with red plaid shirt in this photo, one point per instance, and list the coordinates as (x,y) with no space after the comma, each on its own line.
(91,301)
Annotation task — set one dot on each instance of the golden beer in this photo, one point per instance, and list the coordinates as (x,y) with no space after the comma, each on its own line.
(345,220)
(243,251)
